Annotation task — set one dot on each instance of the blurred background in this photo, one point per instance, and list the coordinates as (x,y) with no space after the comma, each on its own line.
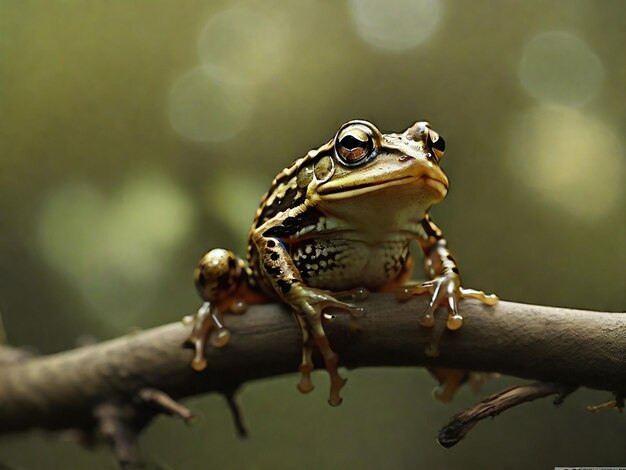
(134,136)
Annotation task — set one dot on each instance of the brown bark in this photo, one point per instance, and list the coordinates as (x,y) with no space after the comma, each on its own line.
(60,391)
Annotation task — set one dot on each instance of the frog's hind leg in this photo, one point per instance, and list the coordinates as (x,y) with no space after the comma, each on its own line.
(221,279)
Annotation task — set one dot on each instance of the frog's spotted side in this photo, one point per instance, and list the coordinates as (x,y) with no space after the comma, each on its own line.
(339,219)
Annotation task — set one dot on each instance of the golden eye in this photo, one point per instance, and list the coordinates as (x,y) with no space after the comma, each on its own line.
(354,144)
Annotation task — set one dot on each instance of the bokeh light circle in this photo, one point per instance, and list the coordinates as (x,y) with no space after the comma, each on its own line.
(114,248)
(569,160)
(559,68)
(222,195)
(245,43)
(209,104)
(395,25)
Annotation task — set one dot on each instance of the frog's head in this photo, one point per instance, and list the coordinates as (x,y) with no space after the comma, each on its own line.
(371,171)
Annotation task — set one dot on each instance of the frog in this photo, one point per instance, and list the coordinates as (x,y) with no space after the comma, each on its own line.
(335,225)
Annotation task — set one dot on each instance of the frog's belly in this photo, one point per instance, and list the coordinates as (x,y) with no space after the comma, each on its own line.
(337,264)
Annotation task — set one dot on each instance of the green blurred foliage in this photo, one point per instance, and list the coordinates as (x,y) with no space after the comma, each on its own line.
(106,207)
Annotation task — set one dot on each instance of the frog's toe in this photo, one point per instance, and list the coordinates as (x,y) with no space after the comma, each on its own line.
(336,382)
(306,384)
(359,293)
(220,338)
(331,361)
(352,310)
(455,320)
(449,382)
(207,326)
(201,328)
(428,317)
(407,292)
(323,301)
(306,366)
(489,299)
(439,293)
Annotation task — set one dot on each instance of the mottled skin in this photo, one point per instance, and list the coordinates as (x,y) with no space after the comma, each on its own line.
(336,222)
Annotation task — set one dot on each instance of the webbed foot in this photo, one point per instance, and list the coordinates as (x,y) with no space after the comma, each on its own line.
(444,290)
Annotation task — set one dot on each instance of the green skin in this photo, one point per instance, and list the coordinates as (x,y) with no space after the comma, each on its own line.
(341,219)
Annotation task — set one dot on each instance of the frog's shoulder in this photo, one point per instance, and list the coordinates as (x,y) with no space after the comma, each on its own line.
(286,191)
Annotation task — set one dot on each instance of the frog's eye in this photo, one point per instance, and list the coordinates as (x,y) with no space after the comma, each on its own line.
(435,144)
(355,144)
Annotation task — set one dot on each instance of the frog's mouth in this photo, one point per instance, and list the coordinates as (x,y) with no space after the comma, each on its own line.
(340,191)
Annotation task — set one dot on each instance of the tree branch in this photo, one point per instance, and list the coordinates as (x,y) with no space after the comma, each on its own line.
(61,391)
(491,407)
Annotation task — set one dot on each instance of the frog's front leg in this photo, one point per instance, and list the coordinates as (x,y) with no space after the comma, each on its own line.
(307,302)
(445,284)
(221,279)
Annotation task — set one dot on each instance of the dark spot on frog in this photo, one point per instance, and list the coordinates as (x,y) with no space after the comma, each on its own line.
(201,279)
(272,270)
(274,256)
(285,286)
(288,227)
(224,281)
(271,243)
(430,231)
(293,197)
(291,225)
(292,221)
(278,231)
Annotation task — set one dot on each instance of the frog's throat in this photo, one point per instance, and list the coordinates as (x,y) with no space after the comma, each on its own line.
(345,192)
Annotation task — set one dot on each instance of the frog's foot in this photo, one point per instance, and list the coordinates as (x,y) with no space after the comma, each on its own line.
(449,382)
(208,324)
(220,279)
(617,403)
(310,304)
(444,290)
(360,293)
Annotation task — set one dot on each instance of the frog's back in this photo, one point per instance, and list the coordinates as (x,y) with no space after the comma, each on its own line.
(283,195)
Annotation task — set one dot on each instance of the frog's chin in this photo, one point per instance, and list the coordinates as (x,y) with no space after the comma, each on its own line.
(412,183)
(386,207)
